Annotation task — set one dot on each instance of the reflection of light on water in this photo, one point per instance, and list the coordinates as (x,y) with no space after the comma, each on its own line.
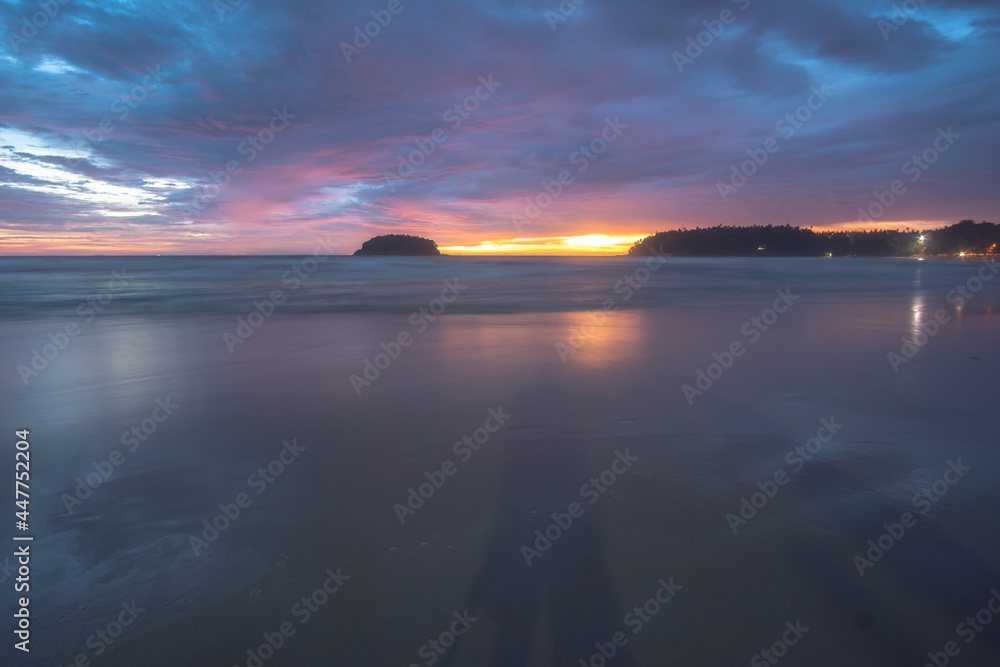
(917,308)
(595,342)
(116,366)
(508,343)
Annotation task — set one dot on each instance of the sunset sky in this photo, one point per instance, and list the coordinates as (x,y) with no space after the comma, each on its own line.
(115,115)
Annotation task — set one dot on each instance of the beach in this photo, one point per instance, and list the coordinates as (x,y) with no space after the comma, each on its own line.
(506,461)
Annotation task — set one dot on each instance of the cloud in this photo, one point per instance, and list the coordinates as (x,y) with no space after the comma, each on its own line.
(223,77)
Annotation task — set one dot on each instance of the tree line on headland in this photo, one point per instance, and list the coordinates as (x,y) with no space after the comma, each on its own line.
(961,239)
(398,244)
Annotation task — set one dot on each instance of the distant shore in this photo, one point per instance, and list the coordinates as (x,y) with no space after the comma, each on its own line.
(964,239)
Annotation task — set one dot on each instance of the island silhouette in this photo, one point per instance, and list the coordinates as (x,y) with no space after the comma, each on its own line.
(398,244)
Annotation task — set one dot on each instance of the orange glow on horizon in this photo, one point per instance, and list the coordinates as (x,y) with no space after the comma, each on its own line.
(227,240)
(588,244)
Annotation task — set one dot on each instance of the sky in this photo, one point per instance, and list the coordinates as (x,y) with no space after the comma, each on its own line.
(266,127)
